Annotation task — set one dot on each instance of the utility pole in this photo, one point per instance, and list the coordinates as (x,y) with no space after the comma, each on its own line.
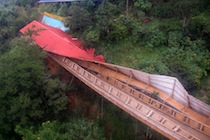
(127,4)
(102,107)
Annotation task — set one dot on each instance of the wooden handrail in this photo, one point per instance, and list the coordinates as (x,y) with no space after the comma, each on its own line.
(160,106)
(102,69)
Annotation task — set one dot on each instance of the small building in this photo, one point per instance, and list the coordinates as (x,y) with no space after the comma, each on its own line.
(54,21)
(56,41)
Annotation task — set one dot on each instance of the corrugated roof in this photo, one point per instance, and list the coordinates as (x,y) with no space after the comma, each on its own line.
(56,41)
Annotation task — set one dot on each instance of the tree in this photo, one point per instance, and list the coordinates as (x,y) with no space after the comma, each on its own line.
(154,67)
(79,20)
(189,61)
(143,5)
(49,7)
(12,18)
(26,2)
(104,16)
(75,129)
(117,31)
(63,10)
(185,10)
(27,95)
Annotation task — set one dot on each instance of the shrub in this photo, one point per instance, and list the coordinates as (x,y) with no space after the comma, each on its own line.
(189,62)
(156,37)
(154,66)
(117,31)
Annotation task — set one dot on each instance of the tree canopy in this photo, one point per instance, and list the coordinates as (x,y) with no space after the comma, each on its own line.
(76,129)
(28,94)
(12,18)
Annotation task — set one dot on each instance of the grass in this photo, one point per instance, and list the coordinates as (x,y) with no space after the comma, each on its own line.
(128,54)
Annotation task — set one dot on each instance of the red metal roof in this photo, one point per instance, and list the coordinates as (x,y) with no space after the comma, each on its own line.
(58,42)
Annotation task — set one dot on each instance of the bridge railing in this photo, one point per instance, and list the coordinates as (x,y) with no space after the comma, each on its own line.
(169,85)
(123,100)
(160,106)
(135,94)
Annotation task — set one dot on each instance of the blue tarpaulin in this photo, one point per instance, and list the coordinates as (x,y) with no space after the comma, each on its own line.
(54,23)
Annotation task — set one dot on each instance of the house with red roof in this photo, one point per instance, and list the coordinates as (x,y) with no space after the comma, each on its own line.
(56,41)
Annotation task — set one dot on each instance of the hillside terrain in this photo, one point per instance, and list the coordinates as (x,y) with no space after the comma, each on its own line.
(161,37)
(38,99)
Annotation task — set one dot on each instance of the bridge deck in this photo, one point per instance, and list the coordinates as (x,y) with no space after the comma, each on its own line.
(108,72)
(140,109)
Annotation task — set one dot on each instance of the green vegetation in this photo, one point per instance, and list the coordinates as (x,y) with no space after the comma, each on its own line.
(12,19)
(154,94)
(163,37)
(169,37)
(28,94)
(76,129)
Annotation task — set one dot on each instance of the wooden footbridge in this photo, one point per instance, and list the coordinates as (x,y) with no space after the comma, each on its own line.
(167,120)
(160,102)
